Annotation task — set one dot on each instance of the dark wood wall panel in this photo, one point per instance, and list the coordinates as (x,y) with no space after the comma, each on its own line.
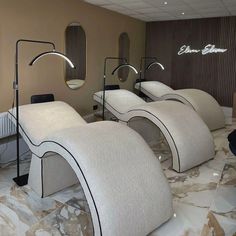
(213,73)
(163,34)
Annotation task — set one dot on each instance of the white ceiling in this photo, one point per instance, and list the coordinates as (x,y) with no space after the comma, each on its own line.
(158,10)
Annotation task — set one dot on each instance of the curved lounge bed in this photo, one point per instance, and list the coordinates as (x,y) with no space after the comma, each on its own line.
(189,139)
(203,103)
(120,175)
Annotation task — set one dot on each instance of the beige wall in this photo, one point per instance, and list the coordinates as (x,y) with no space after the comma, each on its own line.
(47,20)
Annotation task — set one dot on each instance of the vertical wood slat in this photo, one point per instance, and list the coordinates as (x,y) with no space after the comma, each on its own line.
(213,73)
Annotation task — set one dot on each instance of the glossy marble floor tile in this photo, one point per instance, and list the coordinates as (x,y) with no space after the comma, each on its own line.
(224,202)
(204,200)
(218,225)
(228,177)
(196,186)
(79,203)
(186,221)
(69,193)
(161,149)
(9,172)
(23,208)
(66,220)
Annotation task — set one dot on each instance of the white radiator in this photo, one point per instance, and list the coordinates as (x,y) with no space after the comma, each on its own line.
(7,128)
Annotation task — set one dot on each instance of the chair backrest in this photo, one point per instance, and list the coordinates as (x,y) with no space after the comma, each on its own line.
(112,87)
(42,98)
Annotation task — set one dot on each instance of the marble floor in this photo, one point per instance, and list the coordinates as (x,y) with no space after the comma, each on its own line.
(204,200)
(204,197)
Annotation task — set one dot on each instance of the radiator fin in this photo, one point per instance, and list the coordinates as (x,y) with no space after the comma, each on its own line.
(7,128)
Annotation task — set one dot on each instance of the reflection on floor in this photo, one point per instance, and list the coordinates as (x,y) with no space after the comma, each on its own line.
(204,197)
(204,201)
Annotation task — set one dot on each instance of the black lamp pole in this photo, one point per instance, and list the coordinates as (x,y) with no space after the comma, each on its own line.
(142,72)
(141,65)
(104,80)
(23,179)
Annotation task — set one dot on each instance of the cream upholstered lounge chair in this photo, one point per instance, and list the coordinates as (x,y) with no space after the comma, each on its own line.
(119,174)
(203,103)
(190,141)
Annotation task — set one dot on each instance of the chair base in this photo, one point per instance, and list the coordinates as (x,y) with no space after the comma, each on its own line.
(50,174)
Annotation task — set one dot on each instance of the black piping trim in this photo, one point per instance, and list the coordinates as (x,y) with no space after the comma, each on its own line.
(147,92)
(50,141)
(167,94)
(41,159)
(165,128)
(106,103)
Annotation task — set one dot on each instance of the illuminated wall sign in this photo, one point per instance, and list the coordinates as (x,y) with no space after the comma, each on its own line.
(209,49)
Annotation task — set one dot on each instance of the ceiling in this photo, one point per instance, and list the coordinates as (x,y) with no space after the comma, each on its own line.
(161,10)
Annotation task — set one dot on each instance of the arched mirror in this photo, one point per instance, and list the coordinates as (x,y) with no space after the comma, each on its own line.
(75,40)
(124,45)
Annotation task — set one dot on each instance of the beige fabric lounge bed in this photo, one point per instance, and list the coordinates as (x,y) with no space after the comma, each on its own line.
(190,140)
(120,176)
(203,103)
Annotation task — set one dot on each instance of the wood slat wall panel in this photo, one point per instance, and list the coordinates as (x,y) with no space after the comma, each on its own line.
(213,73)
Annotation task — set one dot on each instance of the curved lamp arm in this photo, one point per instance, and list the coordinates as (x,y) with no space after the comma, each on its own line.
(23,179)
(143,59)
(124,65)
(38,57)
(154,63)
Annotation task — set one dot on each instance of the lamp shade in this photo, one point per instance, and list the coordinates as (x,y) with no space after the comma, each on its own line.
(38,57)
(124,65)
(155,63)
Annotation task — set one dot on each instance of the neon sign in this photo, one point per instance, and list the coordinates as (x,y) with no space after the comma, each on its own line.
(209,49)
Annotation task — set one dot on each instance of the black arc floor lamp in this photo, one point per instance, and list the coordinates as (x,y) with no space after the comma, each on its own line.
(122,65)
(22,180)
(153,61)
